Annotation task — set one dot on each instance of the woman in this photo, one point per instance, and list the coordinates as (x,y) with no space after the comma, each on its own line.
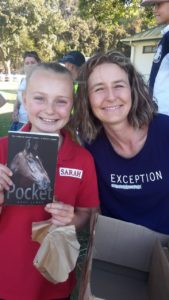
(19,115)
(128,140)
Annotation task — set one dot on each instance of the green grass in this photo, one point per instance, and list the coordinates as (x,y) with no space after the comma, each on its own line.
(6,110)
(5,121)
(9,95)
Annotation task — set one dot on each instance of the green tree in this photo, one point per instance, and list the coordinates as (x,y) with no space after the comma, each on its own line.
(10,28)
(119,18)
(53,27)
(29,24)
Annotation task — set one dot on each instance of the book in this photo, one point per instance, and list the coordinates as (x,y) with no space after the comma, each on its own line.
(32,158)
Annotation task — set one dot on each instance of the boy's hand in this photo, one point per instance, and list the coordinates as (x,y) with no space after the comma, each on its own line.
(62,214)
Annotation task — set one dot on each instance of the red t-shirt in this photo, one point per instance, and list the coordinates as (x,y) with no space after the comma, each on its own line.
(75,184)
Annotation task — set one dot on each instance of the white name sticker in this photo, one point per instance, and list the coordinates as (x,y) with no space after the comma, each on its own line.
(67,172)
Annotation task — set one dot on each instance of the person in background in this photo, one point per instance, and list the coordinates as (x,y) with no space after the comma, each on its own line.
(159,76)
(48,101)
(73,60)
(2,100)
(19,116)
(128,139)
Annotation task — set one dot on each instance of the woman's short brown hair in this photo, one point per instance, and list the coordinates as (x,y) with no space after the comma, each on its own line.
(142,110)
(33,54)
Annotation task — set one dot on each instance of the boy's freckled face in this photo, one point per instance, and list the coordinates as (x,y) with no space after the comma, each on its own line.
(48,100)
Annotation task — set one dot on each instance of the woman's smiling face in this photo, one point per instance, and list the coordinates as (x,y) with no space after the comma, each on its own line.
(110,94)
(48,100)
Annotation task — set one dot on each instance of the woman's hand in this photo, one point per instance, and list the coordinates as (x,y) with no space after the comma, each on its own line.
(15,116)
(62,214)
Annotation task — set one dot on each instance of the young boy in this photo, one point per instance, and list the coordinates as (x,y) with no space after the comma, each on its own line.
(159,76)
(48,100)
(73,60)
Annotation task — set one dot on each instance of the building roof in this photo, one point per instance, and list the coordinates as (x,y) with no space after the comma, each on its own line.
(152,34)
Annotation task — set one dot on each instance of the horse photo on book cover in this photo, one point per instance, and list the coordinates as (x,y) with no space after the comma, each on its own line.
(27,166)
(32,159)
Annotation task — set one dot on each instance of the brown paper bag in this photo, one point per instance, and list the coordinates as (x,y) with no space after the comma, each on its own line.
(40,230)
(159,273)
(58,252)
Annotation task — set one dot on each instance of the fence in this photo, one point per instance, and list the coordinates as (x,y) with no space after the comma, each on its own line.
(11,77)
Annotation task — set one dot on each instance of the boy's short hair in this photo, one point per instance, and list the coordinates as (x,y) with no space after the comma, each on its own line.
(74,57)
(151,2)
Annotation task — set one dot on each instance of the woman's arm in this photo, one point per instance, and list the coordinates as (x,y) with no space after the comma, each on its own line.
(64,214)
(82,216)
(15,113)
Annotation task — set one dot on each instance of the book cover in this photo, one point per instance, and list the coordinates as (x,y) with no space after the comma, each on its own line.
(32,158)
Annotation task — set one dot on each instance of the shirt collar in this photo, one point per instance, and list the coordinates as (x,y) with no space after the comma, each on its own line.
(67,149)
(26,127)
(165,30)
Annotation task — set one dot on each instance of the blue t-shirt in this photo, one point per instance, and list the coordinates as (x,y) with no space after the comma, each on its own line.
(136,189)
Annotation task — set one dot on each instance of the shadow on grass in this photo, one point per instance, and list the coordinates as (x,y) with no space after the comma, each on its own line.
(5,121)
(9,91)
(11,101)
(9,95)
